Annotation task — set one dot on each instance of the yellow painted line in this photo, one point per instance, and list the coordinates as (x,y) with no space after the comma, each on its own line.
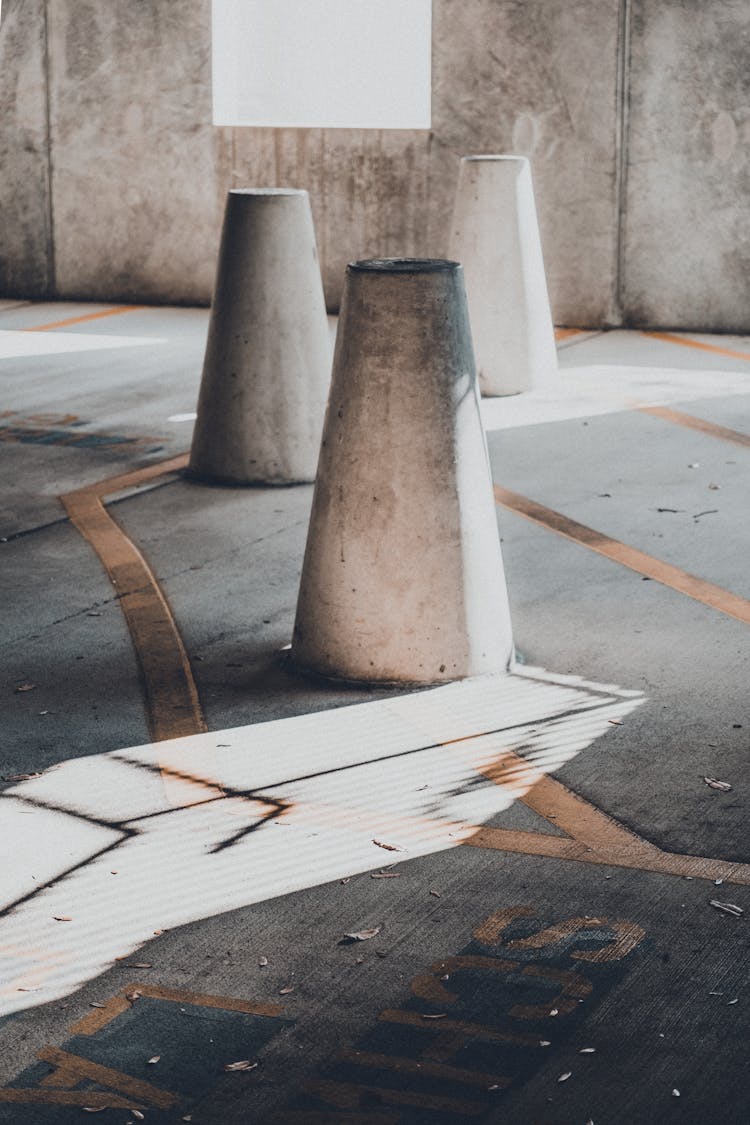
(679,418)
(83,319)
(203,1000)
(125,1084)
(171,697)
(671,576)
(566,333)
(686,342)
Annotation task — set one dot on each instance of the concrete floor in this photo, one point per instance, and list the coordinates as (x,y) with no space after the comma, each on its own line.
(546,950)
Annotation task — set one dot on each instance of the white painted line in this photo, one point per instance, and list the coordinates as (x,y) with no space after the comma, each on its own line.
(17,344)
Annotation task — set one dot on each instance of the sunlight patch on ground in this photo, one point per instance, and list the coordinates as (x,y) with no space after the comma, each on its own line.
(104,851)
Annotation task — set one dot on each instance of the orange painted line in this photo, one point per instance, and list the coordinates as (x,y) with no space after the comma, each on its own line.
(83,319)
(566,333)
(700,424)
(593,836)
(203,1000)
(98,1018)
(671,576)
(686,342)
(171,697)
(105,1076)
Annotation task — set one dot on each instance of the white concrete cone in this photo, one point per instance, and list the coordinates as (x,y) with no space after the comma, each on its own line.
(268,357)
(495,235)
(403,578)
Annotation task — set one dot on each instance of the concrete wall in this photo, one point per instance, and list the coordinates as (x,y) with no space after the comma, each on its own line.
(635,114)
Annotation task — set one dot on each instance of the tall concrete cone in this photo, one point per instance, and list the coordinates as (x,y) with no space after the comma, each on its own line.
(403,578)
(267,365)
(495,235)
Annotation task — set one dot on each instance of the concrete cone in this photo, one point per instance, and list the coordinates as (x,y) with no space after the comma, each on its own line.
(403,579)
(267,365)
(495,235)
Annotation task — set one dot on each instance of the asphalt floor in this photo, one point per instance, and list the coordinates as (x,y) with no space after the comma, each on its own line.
(231,893)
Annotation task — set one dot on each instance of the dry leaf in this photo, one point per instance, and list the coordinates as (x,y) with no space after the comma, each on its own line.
(154,1059)
(25,687)
(385,875)
(28,989)
(440,1016)
(62,917)
(364,935)
(132,996)
(262,962)
(23,776)
(388,847)
(587,1051)
(675,1093)
(138,964)
(345,880)
(435,893)
(615,722)
(96,1004)
(545,1043)
(243,1064)
(286,990)
(555,1012)
(735,1001)
(727,907)
(723,786)
(137,1113)
(564,1077)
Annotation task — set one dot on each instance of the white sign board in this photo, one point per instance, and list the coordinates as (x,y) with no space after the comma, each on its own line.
(350,64)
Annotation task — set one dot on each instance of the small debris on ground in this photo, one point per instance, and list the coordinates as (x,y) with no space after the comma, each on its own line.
(714,783)
(727,907)
(62,917)
(439,1016)
(362,935)
(388,847)
(286,990)
(243,1064)
(154,1060)
(564,1077)
(24,687)
(385,874)
(587,1051)
(22,776)
(262,962)
(675,1093)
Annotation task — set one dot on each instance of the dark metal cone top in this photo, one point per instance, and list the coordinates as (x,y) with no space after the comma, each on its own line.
(404,265)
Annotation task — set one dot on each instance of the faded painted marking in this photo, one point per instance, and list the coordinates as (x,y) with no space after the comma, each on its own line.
(627,936)
(92,1098)
(671,576)
(566,333)
(203,1000)
(348,1095)
(686,342)
(402,1065)
(106,1076)
(171,697)
(700,424)
(461,1028)
(330,1117)
(98,1018)
(68,321)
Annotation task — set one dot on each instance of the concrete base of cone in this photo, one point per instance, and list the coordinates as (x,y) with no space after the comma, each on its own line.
(495,235)
(403,578)
(267,363)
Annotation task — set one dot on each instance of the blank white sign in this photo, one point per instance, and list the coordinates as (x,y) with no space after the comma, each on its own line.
(354,64)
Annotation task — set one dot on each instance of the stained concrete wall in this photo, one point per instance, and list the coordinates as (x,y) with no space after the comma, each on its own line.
(686,253)
(634,114)
(25,238)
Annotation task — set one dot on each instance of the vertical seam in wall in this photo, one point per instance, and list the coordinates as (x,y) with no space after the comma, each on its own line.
(621,156)
(51,279)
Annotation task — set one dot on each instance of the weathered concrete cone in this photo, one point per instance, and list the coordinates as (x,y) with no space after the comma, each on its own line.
(495,235)
(403,579)
(267,366)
